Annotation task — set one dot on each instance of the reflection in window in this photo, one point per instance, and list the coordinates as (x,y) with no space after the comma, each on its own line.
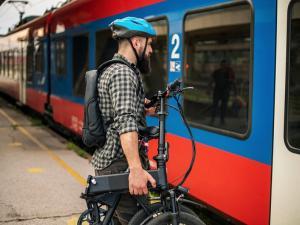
(29,60)
(1,64)
(157,79)
(60,57)
(8,63)
(293,109)
(39,58)
(4,64)
(13,63)
(217,65)
(80,63)
(18,63)
(106,46)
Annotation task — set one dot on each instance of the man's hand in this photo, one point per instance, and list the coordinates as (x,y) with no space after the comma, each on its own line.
(138,179)
(153,164)
(149,111)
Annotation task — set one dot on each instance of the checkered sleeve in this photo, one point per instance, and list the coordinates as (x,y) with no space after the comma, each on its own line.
(123,91)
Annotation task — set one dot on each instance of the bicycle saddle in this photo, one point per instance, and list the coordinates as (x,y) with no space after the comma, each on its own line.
(149,132)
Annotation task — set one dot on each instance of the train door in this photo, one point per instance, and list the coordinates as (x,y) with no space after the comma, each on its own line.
(22,77)
(285,202)
(36,73)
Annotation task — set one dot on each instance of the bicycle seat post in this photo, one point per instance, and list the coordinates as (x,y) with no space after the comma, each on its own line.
(160,158)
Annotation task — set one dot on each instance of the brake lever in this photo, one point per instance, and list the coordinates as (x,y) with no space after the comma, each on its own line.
(167,93)
(187,88)
(181,90)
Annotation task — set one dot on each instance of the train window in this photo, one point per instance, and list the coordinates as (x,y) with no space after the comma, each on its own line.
(158,77)
(39,58)
(80,62)
(106,46)
(217,64)
(1,64)
(60,57)
(17,64)
(9,66)
(5,63)
(293,80)
(29,61)
(12,64)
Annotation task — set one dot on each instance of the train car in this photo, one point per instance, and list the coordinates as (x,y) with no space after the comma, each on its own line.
(241,57)
(24,63)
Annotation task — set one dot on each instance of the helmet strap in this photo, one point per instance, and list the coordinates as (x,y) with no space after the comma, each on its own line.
(144,52)
(138,59)
(134,50)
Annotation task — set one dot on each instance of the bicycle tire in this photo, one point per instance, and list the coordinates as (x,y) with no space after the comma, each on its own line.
(141,215)
(82,217)
(184,219)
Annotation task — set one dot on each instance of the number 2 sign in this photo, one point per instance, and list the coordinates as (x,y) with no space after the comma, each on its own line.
(175,62)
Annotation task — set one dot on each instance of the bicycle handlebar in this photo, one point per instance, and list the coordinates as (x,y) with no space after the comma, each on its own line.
(172,87)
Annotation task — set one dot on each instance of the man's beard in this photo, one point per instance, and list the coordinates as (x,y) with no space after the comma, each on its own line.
(144,65)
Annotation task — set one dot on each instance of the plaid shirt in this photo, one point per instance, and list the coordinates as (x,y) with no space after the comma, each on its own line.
(122,99)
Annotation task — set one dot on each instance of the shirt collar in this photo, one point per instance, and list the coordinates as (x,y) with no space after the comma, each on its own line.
(119,56)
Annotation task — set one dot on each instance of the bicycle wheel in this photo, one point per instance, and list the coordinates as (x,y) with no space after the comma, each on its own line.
(84,218)
(184,219)
(141,215)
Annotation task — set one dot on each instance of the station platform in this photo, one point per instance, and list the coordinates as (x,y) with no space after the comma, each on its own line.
(41,180)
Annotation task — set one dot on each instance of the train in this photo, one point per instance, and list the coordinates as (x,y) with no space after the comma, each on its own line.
(241,57)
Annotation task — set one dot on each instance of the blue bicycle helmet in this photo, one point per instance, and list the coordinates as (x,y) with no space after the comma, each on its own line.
(131,26)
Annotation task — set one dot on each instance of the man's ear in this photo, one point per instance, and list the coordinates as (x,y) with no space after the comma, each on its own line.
(135,42)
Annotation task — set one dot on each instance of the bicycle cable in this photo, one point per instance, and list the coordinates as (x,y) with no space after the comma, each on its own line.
(187,173)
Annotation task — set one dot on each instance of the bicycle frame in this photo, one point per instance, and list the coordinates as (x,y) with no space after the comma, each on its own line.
(99,188)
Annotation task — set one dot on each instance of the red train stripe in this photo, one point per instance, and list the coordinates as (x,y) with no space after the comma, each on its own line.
(235,185)
(36,99)
(68,113)
(91,10)
(10,87)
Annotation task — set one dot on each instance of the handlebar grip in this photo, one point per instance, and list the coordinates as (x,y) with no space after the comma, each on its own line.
(174,85)
(152,102)
(171,87)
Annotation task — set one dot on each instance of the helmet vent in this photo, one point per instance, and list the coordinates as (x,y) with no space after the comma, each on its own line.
(137,23)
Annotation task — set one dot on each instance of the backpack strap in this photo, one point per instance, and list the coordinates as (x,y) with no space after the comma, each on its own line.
(112,61)
(104,65)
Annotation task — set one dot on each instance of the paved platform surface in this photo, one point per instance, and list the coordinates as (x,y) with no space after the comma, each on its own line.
(41,180)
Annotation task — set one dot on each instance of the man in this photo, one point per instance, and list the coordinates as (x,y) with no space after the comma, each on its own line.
(223,79)
(122,102)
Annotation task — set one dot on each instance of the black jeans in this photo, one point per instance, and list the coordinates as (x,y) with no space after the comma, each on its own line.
(127,206)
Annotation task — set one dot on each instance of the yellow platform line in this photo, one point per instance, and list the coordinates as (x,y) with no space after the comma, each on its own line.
(50,152)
